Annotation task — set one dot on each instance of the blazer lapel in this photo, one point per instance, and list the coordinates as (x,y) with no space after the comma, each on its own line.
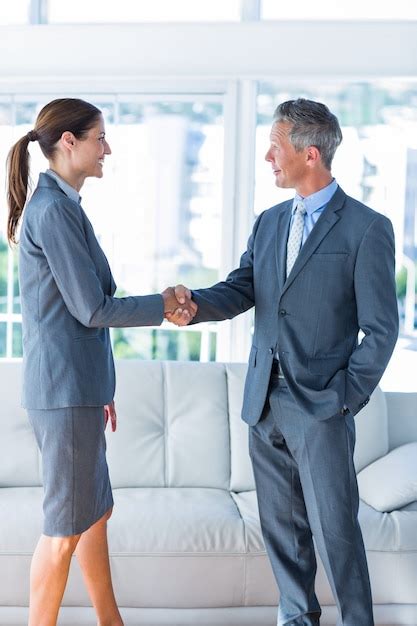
(324,224)
(283,227)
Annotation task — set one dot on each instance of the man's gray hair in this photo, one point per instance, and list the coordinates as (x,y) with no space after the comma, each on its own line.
(312,124)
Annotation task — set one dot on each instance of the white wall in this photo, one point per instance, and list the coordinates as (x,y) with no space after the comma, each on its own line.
(243,50)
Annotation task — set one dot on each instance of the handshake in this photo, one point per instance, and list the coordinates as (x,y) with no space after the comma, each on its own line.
(178,306)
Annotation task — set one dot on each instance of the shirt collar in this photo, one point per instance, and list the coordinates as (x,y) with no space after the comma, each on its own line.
(316,200)
(66,188)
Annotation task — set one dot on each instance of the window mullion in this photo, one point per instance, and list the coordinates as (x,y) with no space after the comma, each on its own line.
(38,12)
(239,172)
(240,336)
(250,10)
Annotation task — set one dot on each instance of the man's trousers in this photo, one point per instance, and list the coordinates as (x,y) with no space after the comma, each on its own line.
(306,487)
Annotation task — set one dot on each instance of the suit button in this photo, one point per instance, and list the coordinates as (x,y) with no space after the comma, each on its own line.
(282,312)
(271,350)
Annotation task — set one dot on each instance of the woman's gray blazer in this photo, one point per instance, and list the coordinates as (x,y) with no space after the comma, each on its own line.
(66,290)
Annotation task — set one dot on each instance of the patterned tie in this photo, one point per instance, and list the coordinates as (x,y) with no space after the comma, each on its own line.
(296,236)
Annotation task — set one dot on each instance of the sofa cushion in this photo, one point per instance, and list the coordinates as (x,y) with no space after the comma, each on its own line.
(182,520)
(136,451)
(20,519)
(20,529)
(186,547)
(391,482)
(195,547)
(178,547)
(247,505)
(20,464)
(410,507)
(241,473)
(166,435)
(388,532)
(391,544)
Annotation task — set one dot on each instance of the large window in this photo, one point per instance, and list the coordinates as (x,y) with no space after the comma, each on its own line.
(141,11)
(157,211)
(331,10)
(120,11)
(376,162)
(160,212)
(188,109)
(96,11)
(15,12)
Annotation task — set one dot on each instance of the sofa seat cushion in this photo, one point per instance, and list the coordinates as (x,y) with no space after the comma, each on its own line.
(21,519)
(187,547)
(391,545)
(185,520)
(384,532)
(390,482)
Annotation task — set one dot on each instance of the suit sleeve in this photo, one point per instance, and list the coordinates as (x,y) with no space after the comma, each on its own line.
(377,310)
(232,296)
(62,239)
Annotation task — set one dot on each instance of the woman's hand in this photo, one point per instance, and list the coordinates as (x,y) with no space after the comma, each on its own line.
(179,308)
(110,412)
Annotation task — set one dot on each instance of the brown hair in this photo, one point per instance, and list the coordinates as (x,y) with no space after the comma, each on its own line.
(56,117)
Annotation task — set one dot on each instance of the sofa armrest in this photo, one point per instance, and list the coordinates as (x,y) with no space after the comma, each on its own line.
(390,482)
(402,418)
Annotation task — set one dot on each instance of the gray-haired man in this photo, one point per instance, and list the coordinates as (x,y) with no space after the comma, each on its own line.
(318,269)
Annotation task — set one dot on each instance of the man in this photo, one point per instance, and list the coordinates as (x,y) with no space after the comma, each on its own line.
(318,269)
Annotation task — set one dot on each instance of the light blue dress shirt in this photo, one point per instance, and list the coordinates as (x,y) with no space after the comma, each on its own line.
(66,188)
(315,205)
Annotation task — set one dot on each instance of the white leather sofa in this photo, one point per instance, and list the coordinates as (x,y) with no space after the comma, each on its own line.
(184,537)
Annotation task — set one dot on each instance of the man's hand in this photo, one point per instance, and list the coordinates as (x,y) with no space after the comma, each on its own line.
(178,306)
(110,412)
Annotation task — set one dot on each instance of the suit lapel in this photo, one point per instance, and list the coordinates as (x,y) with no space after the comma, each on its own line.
(283,227)
(324,224)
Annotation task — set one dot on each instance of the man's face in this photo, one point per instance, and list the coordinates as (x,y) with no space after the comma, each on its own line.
(289,166)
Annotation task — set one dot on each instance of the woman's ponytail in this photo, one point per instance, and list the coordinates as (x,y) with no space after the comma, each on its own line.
(17,183)
(56,117)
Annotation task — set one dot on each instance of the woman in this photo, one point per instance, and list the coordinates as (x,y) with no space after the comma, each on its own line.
(67,289)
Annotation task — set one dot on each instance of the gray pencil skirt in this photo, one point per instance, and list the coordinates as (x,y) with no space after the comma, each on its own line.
(77,491)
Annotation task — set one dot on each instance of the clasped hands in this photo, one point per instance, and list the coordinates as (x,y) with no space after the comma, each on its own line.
(179,308)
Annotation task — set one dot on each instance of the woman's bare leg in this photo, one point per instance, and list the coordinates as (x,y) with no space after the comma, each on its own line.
(93,555)
(48,577)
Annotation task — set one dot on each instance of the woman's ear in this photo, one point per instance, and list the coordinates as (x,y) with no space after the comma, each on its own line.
(68,140)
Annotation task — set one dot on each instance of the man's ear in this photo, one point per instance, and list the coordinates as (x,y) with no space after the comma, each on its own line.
(313,155)
(68,140)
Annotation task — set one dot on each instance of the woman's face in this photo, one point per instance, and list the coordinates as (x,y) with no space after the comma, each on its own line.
(89,153)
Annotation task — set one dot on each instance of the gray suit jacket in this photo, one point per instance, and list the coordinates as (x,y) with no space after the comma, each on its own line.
(66,290)
(343,281)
